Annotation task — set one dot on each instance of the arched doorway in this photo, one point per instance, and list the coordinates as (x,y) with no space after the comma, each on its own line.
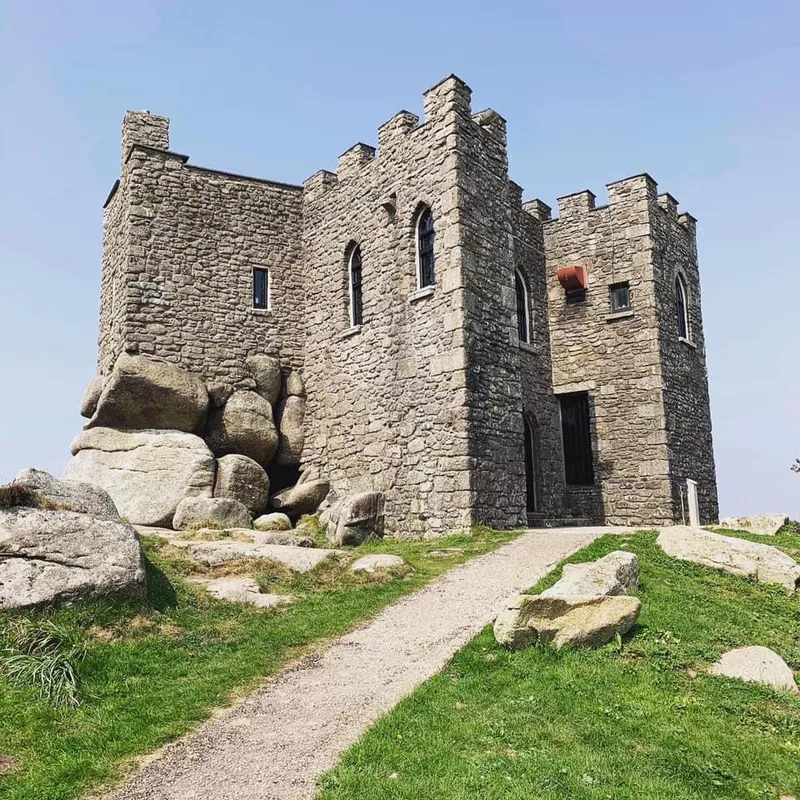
(531,492)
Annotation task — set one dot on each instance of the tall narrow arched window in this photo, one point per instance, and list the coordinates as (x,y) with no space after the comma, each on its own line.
(523,312)
(426,275)
(682,307)
(356,302)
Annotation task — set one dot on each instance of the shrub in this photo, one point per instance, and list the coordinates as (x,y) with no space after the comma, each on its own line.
(13,495)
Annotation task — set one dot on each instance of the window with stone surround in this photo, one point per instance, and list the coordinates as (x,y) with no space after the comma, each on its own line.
(620,296)
(682,308)
(260,287)
(576,435)
(523,308)
(426,275)
(354,282)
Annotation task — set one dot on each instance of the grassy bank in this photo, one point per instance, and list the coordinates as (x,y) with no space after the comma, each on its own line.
(155,669)
(638,721)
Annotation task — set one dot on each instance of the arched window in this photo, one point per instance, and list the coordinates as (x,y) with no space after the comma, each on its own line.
(523,313)
(425,236)
(354,273)
(681,306)
(529,444)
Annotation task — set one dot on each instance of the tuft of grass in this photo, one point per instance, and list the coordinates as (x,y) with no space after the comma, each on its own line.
(44,656)
(211,524)
(15,496)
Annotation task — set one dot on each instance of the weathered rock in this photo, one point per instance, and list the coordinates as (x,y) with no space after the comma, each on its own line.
(244,426)
(219,393)
(763,562)
(145,394)
(762,524)
(84,498)
(291,414)
(294,386)
(220,512)
(147,473)
(282,537)
(579,621)
(355,519)
(298,559)
(377,561)
(275,521)
(240,478)
(614,574)
(304,498)
(51,557)
(756,665)
(266,372)
(91,396)
(242,590)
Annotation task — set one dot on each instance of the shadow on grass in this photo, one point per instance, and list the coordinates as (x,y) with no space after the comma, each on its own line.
(161,594)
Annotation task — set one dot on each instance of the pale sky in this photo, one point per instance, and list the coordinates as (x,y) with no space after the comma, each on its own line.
(703,96)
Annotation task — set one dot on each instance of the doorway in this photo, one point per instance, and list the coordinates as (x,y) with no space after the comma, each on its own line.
(531,492)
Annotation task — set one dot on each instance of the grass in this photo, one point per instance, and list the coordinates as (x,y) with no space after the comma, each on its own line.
(155,669)
(12,496)
(638,719)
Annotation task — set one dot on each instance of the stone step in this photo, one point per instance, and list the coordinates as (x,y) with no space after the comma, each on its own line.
(540,521)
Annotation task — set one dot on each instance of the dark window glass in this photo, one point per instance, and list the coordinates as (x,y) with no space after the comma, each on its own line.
(425,237)
(523,326)
(620,297)
(356,303)
(680,305)
(260,288)
(576,434)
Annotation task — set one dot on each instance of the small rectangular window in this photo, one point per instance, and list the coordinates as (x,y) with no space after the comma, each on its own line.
(577,439)
(620,297)
(260,287)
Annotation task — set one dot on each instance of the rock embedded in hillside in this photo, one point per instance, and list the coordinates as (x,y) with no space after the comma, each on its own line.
(294,385)
(377,561)
(237,589)
(276,521)
(240,478)
(83,498)
(290,418)
(297,559)
(147,473)
(288,539)
(144,394)
(763,562)
(578,621)
(244,426)
(303,498)
(761,524)
(266,373)
(54,557)
(91,396)
(220,512)
(614,574)
(354,519)
(756,665)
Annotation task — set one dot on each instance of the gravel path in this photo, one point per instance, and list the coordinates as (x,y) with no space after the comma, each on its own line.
(276,744)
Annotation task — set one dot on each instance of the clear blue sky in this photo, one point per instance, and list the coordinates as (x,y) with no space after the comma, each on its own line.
(704,96)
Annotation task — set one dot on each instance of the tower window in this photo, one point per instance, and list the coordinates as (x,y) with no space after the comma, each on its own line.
(260,287)
(356,302)
(577,439)
(620,297)
(523,317)
(425,238)
(681,307)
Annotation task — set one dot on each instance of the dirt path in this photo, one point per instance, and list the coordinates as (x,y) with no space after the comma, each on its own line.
(280,740)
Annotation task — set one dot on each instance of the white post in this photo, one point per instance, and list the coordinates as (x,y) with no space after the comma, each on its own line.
(694,505)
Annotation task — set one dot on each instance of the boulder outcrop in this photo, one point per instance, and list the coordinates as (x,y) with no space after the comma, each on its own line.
(244,425)
(290,418)
(614,574)
(240,478)
(91,396)
(354,519)
(205,512)
(146,473)
(761,524)
(303,498)
(266,372)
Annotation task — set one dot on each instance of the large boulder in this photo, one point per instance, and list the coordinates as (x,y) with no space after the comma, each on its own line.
(244,426)
(763,562)
(84,498)
(50,557)
(290,418)
(210,512)
(266,372)
(91,396)
(756,665)
(147,473)
(142,393)
(761,524)
(578,621)
(304,498)
(240,478)
(614,574)
(354,519)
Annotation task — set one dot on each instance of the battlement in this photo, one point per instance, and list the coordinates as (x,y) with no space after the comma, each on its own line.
(146,129)
(538,209)
(450,94)
(353,159)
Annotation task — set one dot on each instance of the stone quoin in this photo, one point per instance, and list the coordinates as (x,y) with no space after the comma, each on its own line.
(431,346)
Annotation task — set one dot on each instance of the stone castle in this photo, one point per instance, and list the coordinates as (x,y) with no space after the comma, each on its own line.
(463,352)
